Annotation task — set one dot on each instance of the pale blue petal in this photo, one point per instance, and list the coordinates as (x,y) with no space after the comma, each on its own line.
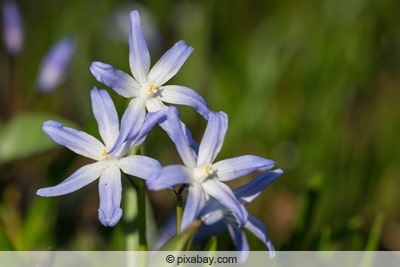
(118,80)
(213,138)
(233,168)
(150,121)
(258,229)
(13,32)
(139,166)
(139,56)
(251,190)
(213,212)
(77,141)
(225,196)
(177,131)
(170,63)
(54,67)
(110,191)
(168,177)
(106,116)
(81,177)
(180,95)
(131,122)
(195,202)
(240,242)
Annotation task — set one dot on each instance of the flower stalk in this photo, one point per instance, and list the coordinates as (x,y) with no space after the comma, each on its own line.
(179,208)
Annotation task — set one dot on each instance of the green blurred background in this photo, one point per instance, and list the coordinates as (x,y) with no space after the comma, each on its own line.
(311,84)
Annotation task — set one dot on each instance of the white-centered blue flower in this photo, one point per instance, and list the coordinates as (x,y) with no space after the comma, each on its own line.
(107,166)
(203,177)
(214,213)
(147,86)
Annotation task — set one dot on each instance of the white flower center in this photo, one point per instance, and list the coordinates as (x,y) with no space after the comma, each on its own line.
(202,173)
(148,90)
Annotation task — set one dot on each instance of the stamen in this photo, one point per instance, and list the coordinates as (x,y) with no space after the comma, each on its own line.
(152,88)
(209,169)
(104,154)
(202,173)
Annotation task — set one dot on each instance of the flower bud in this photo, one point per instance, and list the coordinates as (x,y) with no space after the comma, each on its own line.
(54,66)
(13,34)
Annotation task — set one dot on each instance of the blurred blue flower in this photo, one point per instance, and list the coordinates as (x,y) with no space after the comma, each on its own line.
(13,33)
(214,213)
(203,177)
(146,87)
(54,65)
(107,165)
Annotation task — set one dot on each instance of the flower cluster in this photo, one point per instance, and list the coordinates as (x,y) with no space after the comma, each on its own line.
(209,199)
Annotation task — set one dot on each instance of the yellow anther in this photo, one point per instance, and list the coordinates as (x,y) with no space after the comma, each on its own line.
(209,169)
(152,88)
(104,154)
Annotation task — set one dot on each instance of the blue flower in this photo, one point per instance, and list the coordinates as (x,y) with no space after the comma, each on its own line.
(13,33)
(214,213)
(203,177)
(54,65)
(146,86)
(107,165)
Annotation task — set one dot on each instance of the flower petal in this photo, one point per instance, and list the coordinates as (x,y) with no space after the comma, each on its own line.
(81,177)
(106,116)
(233,168)
(131,123)
(13,32)
(196,200)
(77,141)
(110,190)
(250,191)
(213,212)
(257,227)
(54,66)
(170,63)
(177,131)
(139,166)
(240,241)
(181,95)
(139,56)
(225,196)
(155,104)
(150,121)
(213,138)
(168,177)
(118,80)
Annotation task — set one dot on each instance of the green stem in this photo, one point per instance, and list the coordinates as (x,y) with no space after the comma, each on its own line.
(130,231)
(9,96)
(140,189)
(179,209)
(142,216)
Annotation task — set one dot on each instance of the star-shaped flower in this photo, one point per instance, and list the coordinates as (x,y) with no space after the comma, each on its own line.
(215,213)
(146,86)
(203,177)
(107,166)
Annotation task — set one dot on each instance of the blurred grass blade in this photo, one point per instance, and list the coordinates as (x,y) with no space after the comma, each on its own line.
(5,243)
(23,136)
(211,244)
(373,238)
(180,242)
(37,224)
